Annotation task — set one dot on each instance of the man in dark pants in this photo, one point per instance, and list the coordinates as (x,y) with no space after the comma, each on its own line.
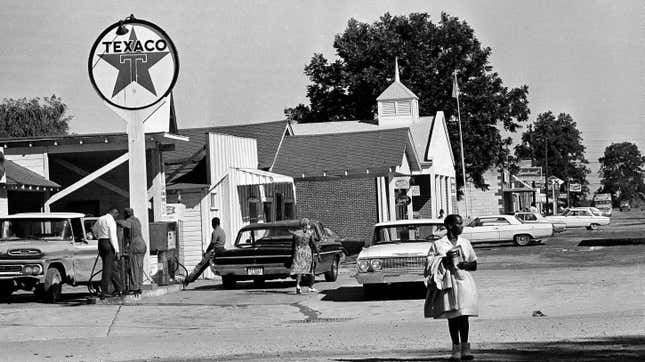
(106,232)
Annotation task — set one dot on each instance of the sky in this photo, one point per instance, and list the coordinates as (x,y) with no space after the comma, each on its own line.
(242,61)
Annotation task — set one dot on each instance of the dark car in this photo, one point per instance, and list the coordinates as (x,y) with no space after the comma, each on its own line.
(263,251)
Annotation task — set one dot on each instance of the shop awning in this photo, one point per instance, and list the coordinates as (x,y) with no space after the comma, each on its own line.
(21,178)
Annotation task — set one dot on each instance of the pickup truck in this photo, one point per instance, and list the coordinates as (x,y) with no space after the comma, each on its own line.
(43,251)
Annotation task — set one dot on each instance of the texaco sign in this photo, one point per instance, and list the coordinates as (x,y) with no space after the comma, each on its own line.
(134,70)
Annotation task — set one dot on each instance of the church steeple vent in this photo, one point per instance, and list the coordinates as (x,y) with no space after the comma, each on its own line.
(397,104)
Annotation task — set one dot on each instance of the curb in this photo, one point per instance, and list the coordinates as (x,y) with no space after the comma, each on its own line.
(156,291)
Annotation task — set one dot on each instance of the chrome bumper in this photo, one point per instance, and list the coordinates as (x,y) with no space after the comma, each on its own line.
(389,276)
(240,270)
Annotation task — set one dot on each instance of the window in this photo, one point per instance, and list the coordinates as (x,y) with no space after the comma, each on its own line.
(268,211)
(289,210)
(388,108)
(403,108)
(254,215)
(214,201)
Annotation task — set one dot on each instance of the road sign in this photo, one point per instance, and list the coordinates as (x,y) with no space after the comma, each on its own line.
(555,180)
(133,64)
(575,188)
(529,174)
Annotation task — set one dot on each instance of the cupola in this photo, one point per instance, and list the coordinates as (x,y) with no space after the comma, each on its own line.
(397,104)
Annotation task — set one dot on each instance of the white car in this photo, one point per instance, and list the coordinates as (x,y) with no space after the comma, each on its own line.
(588,217)
(495,228)
(528,217)
(397,251)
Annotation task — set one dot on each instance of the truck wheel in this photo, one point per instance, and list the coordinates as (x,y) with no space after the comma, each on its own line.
(228,282)
(522,240)
(6,288)
(332,274)
(51,289)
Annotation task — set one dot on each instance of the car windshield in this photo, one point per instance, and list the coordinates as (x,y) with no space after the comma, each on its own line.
(253,237)
(408,233)
(42,229)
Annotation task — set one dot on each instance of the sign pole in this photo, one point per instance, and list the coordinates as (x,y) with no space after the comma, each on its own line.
(138,177)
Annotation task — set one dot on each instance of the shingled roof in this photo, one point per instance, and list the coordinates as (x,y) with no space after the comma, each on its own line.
(187,155)
(18,176)
(368,153)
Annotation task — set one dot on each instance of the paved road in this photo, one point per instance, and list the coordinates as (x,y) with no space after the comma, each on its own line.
(592,297)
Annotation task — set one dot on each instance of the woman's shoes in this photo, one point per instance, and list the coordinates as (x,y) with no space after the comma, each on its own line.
(298,290)
(465,352)
(456,352)
(313,290)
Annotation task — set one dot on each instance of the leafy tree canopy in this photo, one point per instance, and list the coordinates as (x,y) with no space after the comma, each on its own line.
(33,117)
(621,171)
(347,88)
(555,143)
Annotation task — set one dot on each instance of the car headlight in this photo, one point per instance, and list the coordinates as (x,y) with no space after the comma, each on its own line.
(27,269)
(36,269)
(377,264)
(362,265)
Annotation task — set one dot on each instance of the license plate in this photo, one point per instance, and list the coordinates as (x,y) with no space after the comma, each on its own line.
(255,271)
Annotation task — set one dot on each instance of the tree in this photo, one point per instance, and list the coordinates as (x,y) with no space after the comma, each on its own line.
(621,171)
(33,117)
(556,145)
(347,88)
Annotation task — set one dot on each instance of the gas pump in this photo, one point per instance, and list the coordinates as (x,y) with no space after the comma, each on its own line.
(164,243)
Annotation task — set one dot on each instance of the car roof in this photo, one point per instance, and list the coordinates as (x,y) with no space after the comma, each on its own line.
(282,223)
(486,216)
(410,222)
(44,215)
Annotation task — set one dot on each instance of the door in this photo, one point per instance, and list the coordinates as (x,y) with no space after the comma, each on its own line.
(483,230)
(85,251)
(507,230)
(324,248)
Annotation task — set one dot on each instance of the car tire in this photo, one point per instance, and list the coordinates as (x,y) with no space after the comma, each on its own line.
(593,227)
(52,288)
(332,274)
(6,288)
(522,239)
(228,282)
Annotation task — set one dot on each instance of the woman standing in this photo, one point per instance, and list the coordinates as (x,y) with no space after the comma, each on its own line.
(304,248)
(136,249)
(452,293)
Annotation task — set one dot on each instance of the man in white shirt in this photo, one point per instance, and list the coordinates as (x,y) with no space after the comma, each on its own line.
(105,231)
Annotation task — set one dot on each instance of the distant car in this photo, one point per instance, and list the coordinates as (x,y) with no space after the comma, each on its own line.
(263,251)
(43,251)
(589,217)
(396,252)
(625,206)
(502,228)
(527,217)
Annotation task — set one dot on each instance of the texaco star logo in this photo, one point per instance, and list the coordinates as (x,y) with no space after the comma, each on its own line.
(135,68)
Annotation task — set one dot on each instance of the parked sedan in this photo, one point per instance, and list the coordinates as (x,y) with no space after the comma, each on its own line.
(527,217)
(495,228)
(263,251)
(396,252)
(581,217)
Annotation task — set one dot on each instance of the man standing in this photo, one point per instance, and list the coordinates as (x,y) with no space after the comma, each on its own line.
(105,231)
(136,249)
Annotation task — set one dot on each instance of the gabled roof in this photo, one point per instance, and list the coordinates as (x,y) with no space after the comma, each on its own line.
(18,176)
(420,130)
(188,154)
(369,154)
(396,91)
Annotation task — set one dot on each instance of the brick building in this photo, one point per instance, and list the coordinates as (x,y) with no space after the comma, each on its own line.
(352,174)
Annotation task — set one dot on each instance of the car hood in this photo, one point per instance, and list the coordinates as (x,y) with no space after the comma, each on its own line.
(395,250)
(45,247)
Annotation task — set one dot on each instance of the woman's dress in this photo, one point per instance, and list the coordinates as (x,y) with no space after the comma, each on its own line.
(303,260)
(456,293)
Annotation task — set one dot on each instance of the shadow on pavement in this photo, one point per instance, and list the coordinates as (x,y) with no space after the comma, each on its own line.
(245,285)
(398,291)
(624,348)
(66,299)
